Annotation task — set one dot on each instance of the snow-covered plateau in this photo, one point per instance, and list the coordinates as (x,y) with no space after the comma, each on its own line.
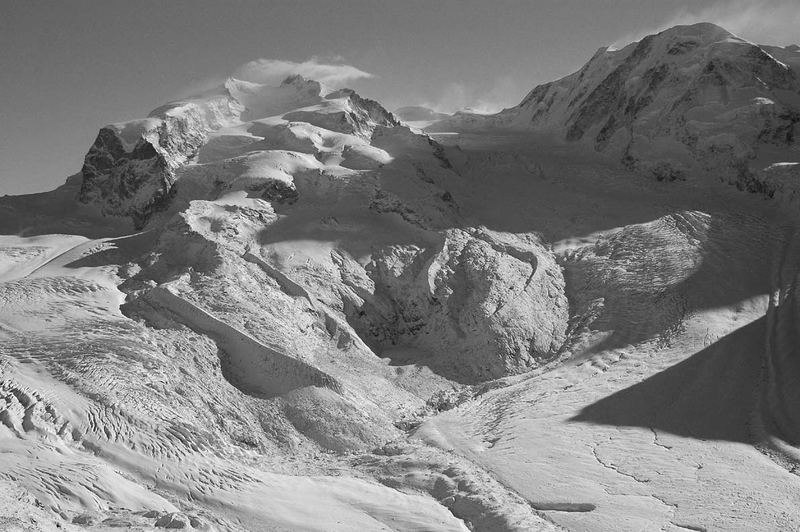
(285,308)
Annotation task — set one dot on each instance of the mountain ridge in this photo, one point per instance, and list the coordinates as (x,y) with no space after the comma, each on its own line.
(690,96)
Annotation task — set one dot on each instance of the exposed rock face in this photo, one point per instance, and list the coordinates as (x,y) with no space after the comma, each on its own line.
(687,94)
(172,520)
(131,167)
(780,181)
(487,304)
(355,116)
(129,183)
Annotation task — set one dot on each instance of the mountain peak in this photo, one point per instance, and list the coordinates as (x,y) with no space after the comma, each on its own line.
(294,79)
(705,30)
(302,84)
(687,94)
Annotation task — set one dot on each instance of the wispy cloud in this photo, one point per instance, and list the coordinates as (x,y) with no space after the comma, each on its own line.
(331,71)
(273,71)
(759,21)
(504,92)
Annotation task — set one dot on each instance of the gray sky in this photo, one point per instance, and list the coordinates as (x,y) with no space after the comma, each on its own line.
(69,67)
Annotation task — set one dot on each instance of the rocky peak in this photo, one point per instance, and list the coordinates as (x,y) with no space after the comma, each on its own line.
(303,85)
(130,168)
(344,111)
(299,82)
(701,32)
(371,113)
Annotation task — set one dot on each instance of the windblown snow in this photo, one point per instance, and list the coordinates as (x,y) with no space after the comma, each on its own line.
(283,308)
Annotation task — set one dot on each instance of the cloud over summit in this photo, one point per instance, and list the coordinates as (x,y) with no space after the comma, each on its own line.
(758,21)
(273,71)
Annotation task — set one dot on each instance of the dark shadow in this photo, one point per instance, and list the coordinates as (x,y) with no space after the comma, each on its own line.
(526,182)
(119,251)
(737,254)
(57,212)
(709,396)
(382,334)
(229,373)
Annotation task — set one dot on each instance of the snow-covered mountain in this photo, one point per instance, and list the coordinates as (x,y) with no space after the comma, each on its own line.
(340,153)
(282,308)
(133,166)
(688,95)
(298,253)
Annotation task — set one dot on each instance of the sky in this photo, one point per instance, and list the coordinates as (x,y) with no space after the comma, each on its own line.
(69,67)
